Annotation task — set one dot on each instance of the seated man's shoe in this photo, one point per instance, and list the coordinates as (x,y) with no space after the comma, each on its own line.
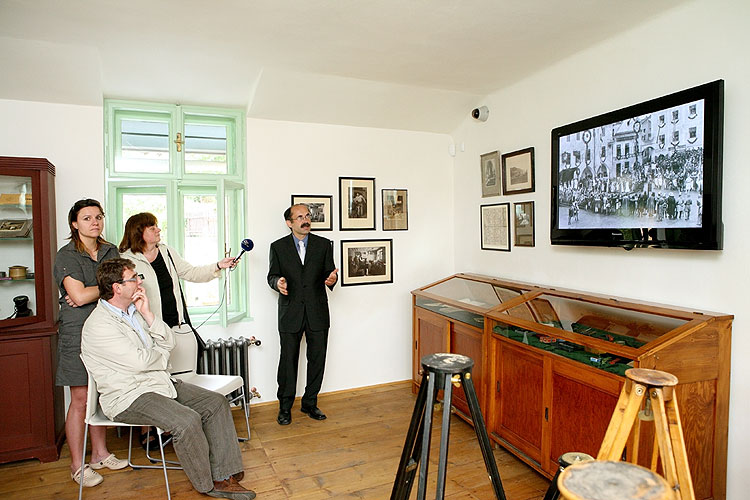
(231,488)
(314,412)
(284,417)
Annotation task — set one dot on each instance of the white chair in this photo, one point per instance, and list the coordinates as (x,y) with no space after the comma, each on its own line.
(184,360)
(95,417)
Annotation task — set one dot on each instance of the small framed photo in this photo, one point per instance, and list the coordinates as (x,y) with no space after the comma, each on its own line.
(523,224)
(321,213)
(366,262)
(518,171)
(490,164)
(395,210)
(495,226)
(356,203)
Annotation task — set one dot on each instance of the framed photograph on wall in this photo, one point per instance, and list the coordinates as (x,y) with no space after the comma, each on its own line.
(395,210)
(490,165)
(321,213)
(356,203)
(518,171)
(523,224)
(495,226)
(366,262)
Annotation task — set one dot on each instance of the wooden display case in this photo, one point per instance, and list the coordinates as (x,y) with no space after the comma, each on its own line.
(551,366)
(449,316)
(31,415)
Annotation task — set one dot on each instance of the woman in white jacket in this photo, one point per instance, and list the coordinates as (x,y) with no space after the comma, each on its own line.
(162,268)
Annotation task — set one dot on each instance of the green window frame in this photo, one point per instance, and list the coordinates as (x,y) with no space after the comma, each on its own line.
(142,162)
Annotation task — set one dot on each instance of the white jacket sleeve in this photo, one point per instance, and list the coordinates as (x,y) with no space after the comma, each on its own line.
(189,272)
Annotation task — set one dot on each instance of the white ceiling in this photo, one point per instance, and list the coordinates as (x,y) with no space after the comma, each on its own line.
(405,64)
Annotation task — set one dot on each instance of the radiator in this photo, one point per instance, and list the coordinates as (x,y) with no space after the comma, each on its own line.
(230,357)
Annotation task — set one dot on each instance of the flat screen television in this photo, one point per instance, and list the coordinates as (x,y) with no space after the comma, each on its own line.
(648,175)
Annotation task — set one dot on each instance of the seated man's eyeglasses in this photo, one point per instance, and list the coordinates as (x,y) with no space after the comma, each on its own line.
(303,217)
(135,278)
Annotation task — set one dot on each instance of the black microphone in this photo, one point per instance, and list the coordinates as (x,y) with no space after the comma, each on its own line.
(247,245)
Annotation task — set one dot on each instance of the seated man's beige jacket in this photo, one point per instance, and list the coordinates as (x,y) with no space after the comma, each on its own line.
(123,367)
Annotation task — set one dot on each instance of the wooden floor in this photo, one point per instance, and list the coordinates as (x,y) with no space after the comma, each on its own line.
(352,454)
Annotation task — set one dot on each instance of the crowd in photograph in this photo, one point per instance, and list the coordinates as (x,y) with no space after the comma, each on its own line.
(663,190)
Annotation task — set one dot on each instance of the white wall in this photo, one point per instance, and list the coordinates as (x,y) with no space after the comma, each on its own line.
(370,336)
(70,136)
(698,42)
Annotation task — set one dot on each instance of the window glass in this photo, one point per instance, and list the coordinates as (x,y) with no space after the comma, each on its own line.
(144,145)
(155,203)
(200,230)
(205,149)
(228,205)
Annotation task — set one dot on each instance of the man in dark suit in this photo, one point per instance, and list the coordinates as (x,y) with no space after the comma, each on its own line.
(301,266)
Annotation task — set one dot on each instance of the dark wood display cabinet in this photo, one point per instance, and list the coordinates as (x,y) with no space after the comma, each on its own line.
(31,415)
(552,363)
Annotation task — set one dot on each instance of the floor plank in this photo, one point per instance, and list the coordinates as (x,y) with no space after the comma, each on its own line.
(353,454)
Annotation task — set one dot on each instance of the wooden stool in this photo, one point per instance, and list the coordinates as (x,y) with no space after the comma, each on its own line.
(612,481)
(440,370)
(661,405)
(565,461)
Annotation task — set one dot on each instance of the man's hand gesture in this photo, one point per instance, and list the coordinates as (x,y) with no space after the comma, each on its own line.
(332,278)
(281,286)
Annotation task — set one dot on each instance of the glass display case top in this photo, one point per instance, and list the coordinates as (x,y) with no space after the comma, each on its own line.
(474,293)
(610,323)
(477,295)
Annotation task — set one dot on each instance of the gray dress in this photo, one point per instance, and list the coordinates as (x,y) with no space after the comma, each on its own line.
(81,267)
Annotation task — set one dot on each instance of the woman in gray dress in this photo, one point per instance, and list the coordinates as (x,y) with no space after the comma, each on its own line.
(75,275)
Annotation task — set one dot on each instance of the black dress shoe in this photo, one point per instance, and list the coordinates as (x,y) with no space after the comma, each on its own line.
(285,417)
(314,412)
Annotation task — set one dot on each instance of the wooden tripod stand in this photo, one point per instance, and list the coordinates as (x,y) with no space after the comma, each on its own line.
(661,405)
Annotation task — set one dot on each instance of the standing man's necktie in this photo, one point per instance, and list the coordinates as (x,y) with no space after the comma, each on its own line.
(302,251)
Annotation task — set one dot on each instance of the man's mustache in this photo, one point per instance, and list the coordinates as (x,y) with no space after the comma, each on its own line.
(305,224)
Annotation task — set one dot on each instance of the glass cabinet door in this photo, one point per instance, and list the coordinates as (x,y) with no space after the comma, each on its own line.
(17,284)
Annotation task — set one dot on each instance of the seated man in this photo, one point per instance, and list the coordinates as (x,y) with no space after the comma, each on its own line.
(126,349)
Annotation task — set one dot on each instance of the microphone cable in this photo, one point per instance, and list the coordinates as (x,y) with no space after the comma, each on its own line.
(221,301)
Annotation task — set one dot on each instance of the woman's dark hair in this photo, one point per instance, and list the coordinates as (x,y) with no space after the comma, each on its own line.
(132,239)
(73,217)
(110,272)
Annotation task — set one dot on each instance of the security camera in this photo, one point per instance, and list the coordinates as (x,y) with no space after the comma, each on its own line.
(481,113)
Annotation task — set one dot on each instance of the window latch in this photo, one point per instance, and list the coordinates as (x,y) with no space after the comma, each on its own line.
(179,142)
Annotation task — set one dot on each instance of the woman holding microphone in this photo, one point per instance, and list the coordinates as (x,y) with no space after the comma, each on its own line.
(162,268)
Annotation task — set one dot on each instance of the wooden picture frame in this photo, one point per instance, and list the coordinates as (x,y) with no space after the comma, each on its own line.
(523,224)
(395,209)
(495,226)
(356,203)
(489,163)
(366,262)
(518,171)
(320,207)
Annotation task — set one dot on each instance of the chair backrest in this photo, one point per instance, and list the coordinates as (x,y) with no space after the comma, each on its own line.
(92,399)
(184,356)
